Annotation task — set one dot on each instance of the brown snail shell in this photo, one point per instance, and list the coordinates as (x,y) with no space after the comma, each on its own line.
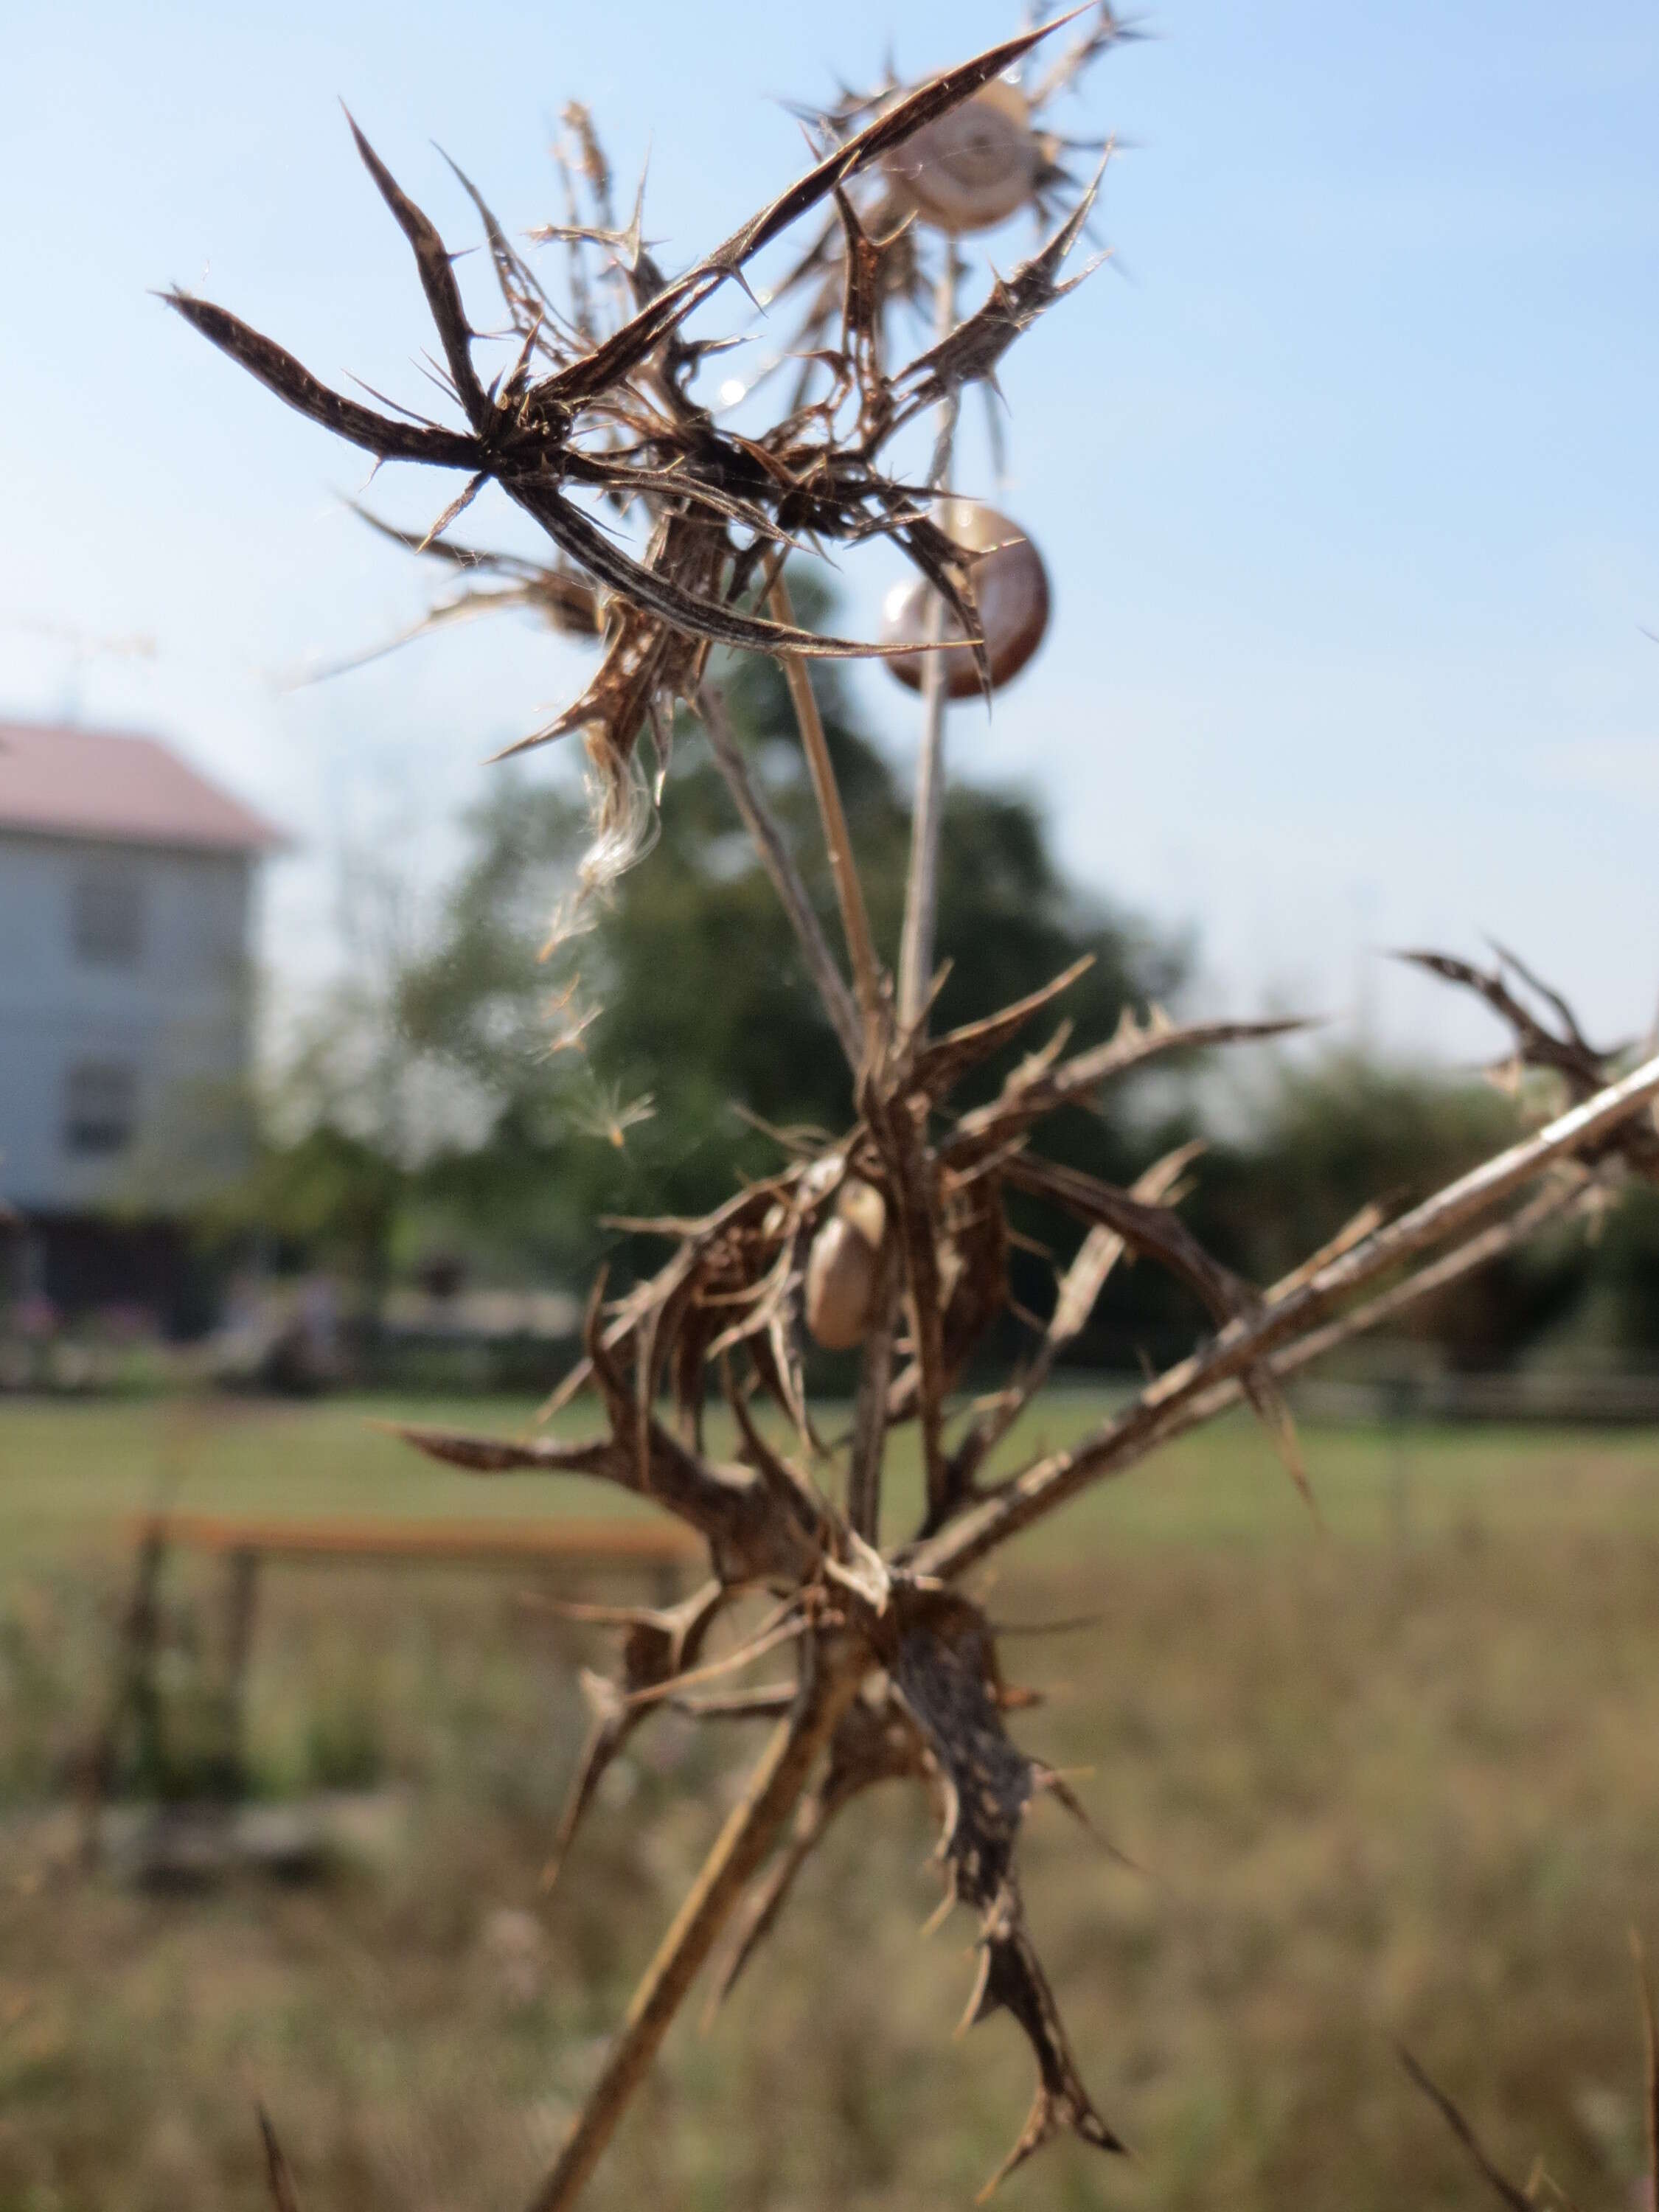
(972,168)
(843,1269)
(1011,587)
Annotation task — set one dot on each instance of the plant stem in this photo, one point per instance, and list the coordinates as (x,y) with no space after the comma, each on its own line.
(1165,1407)
(830,1684)
(762,827)
(1480,1250)
(921,894)
(870,1413)
(850,892)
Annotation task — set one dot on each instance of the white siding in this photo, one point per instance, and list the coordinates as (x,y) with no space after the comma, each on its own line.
(178,1014)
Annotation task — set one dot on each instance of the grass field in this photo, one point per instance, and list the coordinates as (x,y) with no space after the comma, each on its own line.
(1398,1781)
(71,1474)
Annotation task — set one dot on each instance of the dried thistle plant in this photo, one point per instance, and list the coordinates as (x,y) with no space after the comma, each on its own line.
(894,1235)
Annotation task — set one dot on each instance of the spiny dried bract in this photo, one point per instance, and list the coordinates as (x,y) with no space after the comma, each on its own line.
(989,159)
(659,1645)
(1561,1051)
(945,1673)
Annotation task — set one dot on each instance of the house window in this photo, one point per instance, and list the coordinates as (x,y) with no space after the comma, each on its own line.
(100,1107)
(109,915)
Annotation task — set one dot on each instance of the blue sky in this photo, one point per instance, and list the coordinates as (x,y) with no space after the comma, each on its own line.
(1346,470)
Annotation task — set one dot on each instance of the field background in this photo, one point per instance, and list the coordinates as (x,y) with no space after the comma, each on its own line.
(1397,1781)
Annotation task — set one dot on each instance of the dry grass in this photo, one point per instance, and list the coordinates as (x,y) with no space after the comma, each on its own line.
(1377,1793)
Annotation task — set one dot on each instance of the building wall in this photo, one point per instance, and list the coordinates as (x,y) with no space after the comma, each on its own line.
(90,1011)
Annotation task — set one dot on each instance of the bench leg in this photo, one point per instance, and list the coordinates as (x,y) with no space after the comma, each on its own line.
(241,1592)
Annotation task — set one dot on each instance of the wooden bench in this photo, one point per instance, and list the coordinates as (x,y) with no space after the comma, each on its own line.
(661,1551)
(641,1543)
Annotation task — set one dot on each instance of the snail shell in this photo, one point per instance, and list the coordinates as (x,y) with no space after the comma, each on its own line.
(1010,586)
(844,1268)
(972,168)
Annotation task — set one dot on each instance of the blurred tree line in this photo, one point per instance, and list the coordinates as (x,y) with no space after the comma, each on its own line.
(426,1117)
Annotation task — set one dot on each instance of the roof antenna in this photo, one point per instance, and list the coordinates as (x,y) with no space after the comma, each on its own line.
(81,645)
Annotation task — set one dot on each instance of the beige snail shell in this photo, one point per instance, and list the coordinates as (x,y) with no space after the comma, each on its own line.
(971,169)
(1011,587)
(844,1268)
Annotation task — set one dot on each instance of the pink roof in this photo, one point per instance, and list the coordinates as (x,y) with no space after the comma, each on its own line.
(69,782)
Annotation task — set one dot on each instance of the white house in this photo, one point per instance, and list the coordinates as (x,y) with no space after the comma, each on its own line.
(126,884)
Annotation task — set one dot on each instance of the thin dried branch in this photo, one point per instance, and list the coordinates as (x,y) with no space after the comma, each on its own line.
(1503,2189)
(1650,2055)
(768,1701)
(279,2175)
(952,594)
(843,867)
(769,840)
(770,1638)
(791,1488)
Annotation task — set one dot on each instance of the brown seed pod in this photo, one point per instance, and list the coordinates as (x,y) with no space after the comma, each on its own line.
(1010,586)
(844,1267)
(972,168)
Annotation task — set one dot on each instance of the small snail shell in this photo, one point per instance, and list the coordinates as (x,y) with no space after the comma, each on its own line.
(971,169)
(844,1267)
(1010,586)
(863,1205)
